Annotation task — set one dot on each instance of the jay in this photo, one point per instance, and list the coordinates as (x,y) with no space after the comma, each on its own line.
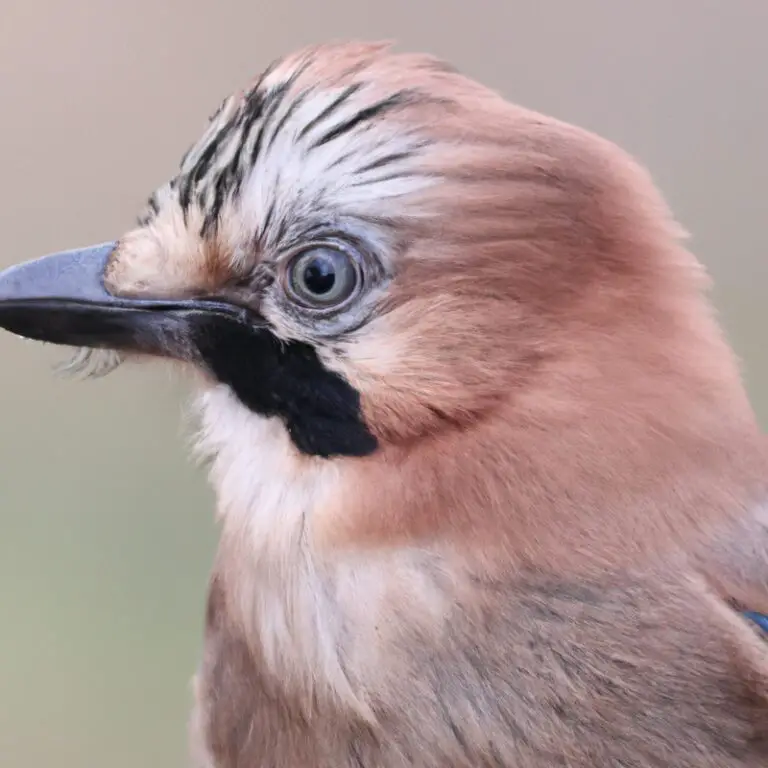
(490,489)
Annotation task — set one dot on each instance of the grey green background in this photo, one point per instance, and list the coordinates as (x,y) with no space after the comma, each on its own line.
(106,529)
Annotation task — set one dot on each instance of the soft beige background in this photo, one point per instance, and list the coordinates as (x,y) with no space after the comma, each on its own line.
(106,531)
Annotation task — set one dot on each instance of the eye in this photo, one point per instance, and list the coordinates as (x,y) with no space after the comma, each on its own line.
(323,276)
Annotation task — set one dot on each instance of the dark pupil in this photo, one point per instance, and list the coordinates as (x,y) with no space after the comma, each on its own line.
(319,275)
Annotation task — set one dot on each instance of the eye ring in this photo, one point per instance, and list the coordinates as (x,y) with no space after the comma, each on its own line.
(323,276)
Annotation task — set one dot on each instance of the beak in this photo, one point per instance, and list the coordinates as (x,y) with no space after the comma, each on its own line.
(61,299)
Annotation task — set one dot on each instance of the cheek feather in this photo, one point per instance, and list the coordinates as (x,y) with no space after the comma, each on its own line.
(286,379)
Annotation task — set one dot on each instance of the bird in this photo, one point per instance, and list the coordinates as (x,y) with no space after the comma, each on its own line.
(489,485)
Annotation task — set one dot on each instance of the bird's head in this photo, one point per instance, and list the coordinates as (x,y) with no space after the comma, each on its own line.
(382,267)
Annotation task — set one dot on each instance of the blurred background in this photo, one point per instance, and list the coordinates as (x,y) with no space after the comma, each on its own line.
(106,528)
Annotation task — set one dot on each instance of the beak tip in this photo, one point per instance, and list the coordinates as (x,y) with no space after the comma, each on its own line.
(30,291)
(75,274)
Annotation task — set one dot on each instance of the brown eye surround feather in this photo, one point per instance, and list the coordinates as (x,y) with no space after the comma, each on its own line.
(323,276)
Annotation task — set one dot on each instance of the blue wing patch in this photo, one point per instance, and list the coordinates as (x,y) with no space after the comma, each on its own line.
(759,618)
